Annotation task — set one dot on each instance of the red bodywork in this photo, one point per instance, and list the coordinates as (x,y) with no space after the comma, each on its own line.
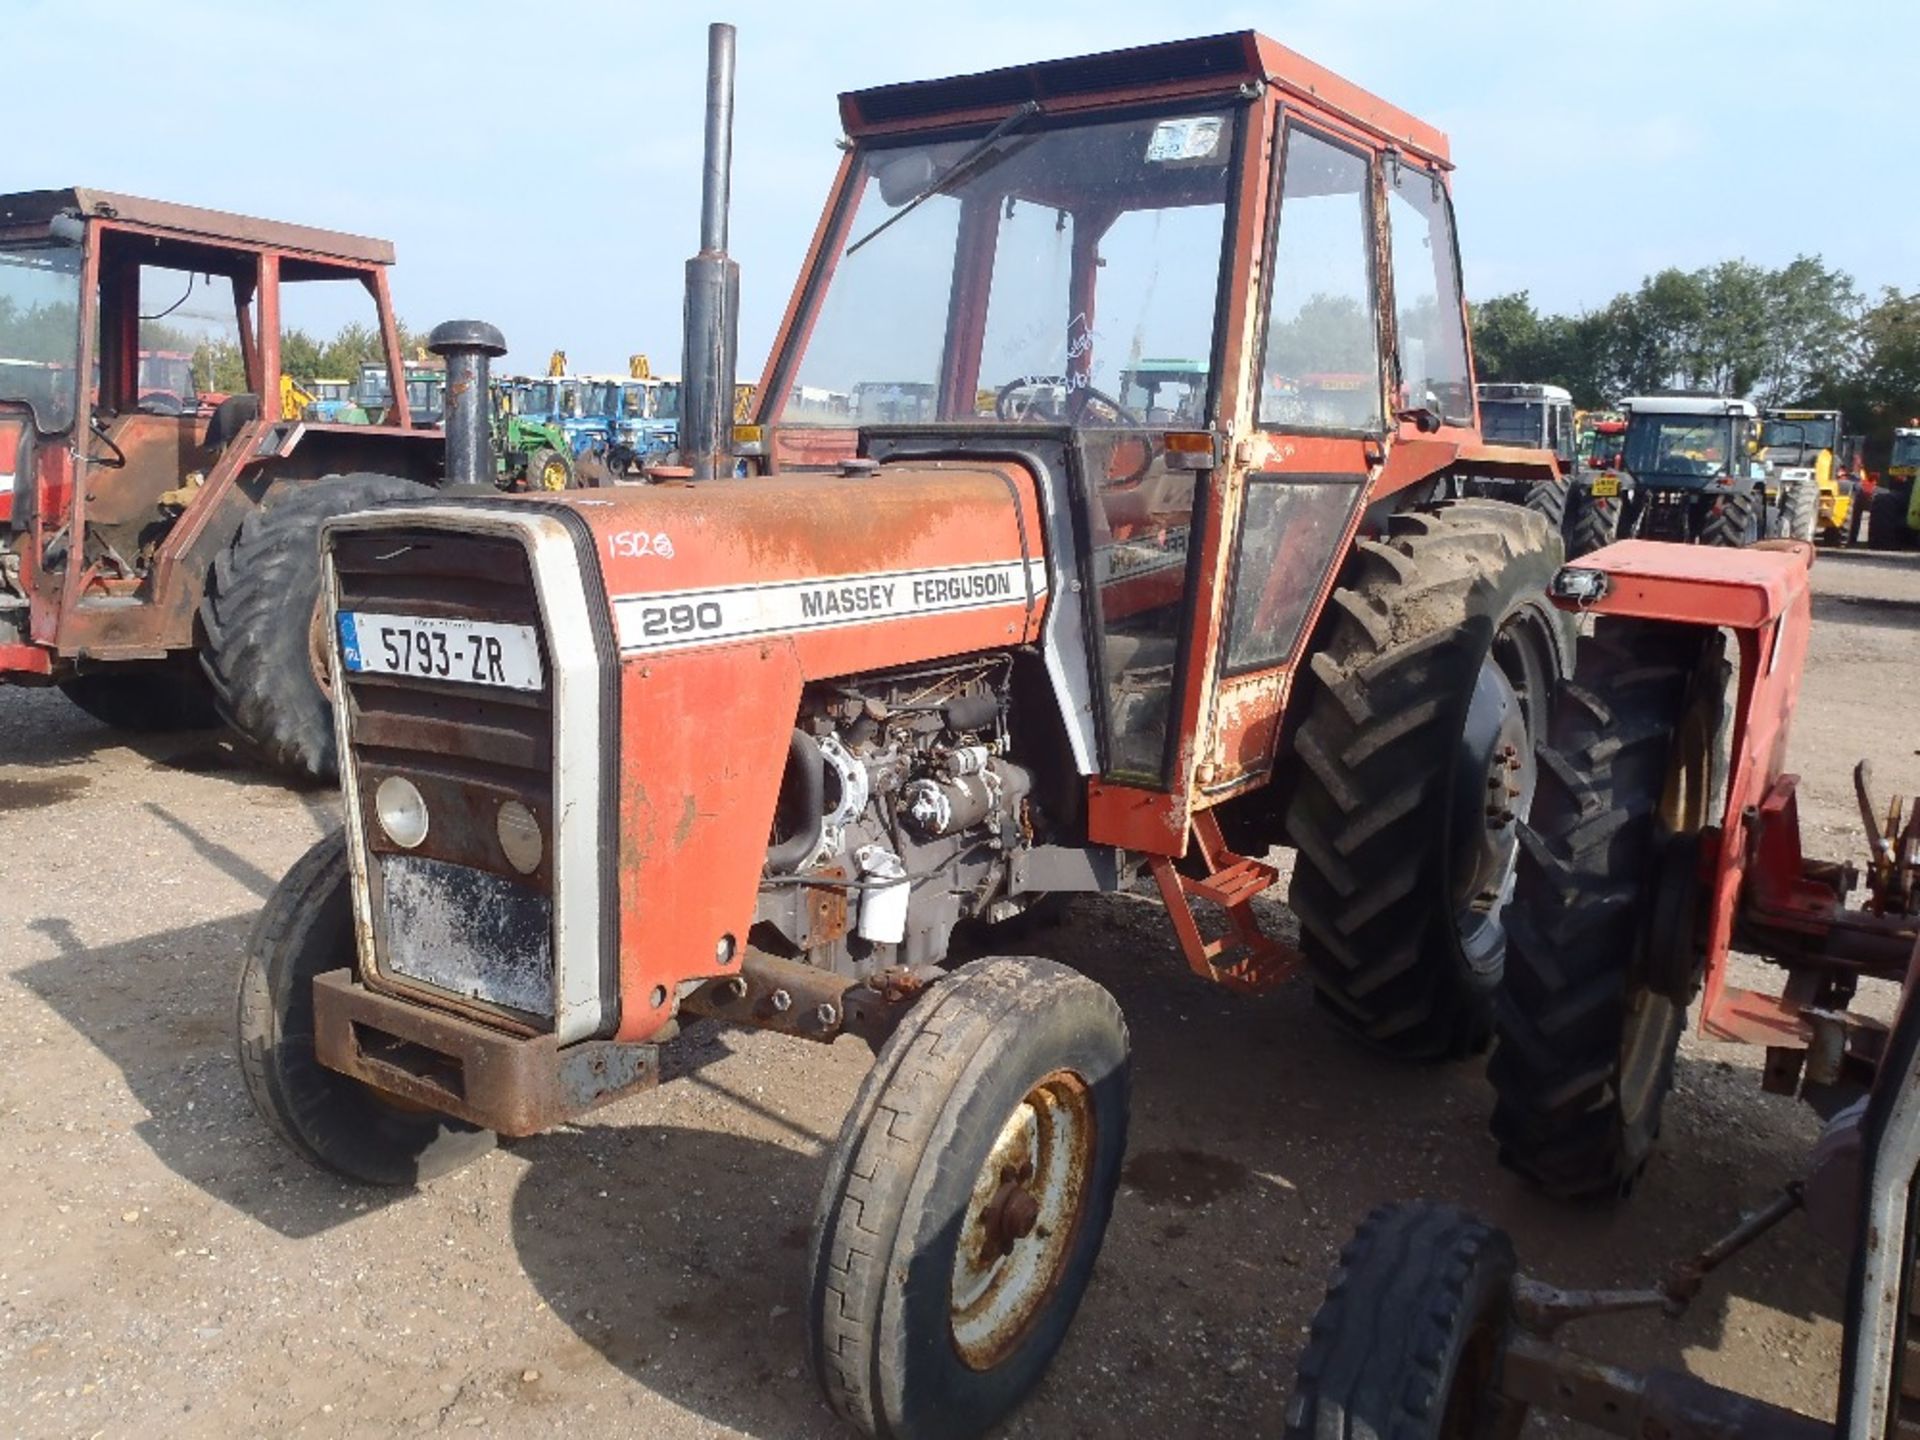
(1760,892)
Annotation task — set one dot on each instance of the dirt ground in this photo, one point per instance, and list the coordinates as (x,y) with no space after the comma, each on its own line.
(167,1268)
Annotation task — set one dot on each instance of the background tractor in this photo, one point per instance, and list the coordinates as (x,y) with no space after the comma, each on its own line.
(1810,465)
(1691,470)
(1664,835)
(530,452)
(1894,519)
(1532,418)
(158,559)
(754,748)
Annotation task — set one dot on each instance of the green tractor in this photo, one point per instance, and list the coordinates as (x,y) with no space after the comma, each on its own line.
(530,450)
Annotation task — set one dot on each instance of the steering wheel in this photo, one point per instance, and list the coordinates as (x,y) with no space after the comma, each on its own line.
(1071,411)
(163,402)
(119,460)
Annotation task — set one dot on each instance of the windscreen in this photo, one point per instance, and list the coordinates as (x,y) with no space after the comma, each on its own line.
(1513,422)
(1681,445)
(1906,451)
(1019,277)
(1819,433)
(40,331)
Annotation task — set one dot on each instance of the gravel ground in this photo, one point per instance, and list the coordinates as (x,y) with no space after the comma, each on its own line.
(167,1268)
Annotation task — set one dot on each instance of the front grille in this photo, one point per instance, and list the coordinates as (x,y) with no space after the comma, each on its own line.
(469,749)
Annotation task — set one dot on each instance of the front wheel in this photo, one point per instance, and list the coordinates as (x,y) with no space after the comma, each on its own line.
(329,1119)
(967,1198)
(1592,522)
(1408,1343)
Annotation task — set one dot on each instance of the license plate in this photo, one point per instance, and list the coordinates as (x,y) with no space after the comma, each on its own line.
(1606,485)
(471,652)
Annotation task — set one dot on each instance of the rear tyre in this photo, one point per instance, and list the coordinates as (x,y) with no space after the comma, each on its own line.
(1548,498)
(1592,523)
(1735,522)
(549,470)
(1887,520)
(265,642)
(1415,757)
(147,699)
(1408,1343)
(1602,959)
(332,1121)
(966,1200)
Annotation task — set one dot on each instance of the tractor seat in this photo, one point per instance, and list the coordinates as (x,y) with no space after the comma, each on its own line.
(230,417)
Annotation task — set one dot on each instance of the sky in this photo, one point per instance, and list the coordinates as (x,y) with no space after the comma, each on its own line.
(537,165)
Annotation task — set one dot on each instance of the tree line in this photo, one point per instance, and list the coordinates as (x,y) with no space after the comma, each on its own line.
(1803,334)
(218,368)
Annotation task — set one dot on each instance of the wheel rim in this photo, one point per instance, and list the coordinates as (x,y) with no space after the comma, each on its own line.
(1646,1034)
(1496,771)
(1021,1219)
(553,474)
(317,650)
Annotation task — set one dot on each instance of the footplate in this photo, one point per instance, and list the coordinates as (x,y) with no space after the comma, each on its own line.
(517,1085)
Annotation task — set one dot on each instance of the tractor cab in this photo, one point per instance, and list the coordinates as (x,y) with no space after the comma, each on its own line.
(1166,392)
(1532,417)
(121,321)
(1694,467)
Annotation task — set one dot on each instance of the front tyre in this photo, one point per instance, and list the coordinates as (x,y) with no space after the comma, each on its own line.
(329,1119)
(265,641)
(966,1199)
(1733,520)
(1409,1341)
(1415,761)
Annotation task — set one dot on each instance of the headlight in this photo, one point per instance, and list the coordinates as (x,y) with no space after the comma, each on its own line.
(402,811)
(520,838)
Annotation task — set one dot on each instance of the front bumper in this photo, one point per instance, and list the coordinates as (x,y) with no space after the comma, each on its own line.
(516,1085)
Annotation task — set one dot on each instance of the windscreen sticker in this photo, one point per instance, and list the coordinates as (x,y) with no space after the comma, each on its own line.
(1195,138)
(675,619)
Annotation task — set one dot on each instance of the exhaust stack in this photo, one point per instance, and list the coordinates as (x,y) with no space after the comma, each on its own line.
(713,287)
(467,346)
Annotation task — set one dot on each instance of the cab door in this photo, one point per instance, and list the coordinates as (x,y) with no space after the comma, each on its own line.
(1320,422)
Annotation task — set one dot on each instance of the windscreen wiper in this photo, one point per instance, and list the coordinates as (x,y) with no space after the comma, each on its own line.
(1022,113)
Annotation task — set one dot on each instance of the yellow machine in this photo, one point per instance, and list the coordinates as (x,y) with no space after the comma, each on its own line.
(1810,476)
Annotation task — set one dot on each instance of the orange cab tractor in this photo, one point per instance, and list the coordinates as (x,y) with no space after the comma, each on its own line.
(159,555)
(1033,619)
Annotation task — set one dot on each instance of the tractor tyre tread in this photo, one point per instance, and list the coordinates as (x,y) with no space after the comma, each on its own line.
(1416,1285)
(1406,633)
(1587,853)
(1736,523)
(896,1154)
(255,615)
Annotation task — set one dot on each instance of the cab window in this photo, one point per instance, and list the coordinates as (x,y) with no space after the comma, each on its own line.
(1320,368)
(1426,296)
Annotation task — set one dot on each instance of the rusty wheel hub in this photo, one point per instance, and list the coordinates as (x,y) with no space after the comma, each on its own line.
(317,657)
(1022,1219)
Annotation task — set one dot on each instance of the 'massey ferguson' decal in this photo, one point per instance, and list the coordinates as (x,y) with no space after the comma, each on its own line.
(783,607)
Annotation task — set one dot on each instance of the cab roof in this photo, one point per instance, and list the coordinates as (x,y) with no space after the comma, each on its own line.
(1212,66)
(1690,405)
(1518,390)
(35,208)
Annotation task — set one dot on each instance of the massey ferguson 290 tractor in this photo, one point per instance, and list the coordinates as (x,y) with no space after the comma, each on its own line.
(138,531)
(751,748)
(1665,835)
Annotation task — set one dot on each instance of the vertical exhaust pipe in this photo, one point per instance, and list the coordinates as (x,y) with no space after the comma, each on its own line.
(711,341)
(467,346)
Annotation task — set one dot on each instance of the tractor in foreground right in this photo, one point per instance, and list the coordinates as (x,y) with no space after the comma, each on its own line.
(1665,834)
(1893,521)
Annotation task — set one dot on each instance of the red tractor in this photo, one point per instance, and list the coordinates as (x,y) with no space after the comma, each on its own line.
(752,748)
(159,557)
(1665,834)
